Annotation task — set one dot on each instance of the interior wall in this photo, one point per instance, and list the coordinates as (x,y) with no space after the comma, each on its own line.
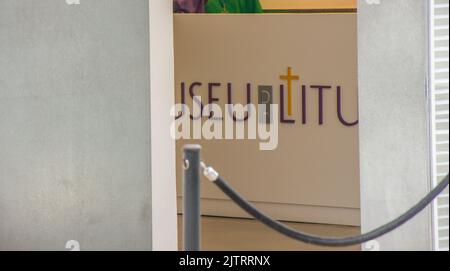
(313,174)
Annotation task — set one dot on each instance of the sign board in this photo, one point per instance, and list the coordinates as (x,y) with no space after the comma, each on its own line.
(307,65)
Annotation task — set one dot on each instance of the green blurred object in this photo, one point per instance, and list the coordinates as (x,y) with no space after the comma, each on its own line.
(233,6)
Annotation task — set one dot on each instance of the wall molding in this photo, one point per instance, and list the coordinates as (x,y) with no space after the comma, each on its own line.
(282,212)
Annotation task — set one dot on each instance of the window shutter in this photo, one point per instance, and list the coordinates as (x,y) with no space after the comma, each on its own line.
(439,75)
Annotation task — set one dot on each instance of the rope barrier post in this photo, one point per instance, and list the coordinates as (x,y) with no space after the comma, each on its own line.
(191,198)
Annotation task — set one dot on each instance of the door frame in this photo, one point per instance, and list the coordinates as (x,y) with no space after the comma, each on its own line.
(164,211)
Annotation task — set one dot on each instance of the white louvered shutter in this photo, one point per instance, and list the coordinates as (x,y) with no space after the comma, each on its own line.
(439,75)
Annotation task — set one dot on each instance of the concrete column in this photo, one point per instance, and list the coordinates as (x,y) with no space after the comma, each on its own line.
(393,102)
(76,119)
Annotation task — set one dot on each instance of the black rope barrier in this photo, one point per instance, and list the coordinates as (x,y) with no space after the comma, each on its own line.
(213,176)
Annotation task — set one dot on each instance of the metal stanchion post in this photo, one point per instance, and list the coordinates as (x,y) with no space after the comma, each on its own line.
(191,198)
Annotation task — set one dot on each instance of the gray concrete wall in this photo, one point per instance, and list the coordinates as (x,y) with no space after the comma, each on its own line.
(394,143)
(74,125)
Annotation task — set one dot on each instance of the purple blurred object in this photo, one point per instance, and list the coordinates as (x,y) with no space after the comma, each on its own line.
(189,6)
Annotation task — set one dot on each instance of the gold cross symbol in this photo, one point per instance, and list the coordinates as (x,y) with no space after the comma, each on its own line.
(289,78)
